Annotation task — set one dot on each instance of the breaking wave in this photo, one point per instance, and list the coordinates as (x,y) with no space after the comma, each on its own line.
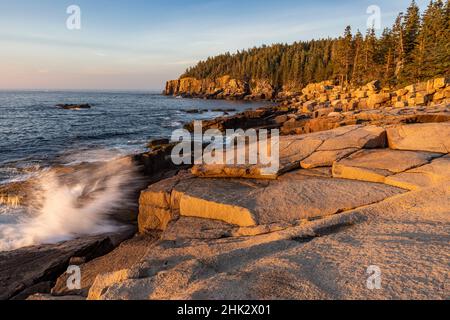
(70,202)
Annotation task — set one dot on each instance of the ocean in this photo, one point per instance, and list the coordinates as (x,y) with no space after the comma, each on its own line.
(36,135)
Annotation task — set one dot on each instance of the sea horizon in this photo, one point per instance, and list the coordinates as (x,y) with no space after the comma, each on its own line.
(150,91)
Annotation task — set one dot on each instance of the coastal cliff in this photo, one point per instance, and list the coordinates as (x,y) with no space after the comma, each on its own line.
(221,88)
(399,56)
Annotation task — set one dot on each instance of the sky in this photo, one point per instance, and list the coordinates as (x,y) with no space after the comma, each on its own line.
(139,44)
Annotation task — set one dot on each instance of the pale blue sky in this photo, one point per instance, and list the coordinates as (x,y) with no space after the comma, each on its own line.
(139,44)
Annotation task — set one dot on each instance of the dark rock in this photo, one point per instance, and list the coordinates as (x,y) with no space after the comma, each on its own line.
(157,143)
(223,110)
(193,111)
(258,119)
(156,162)
(74,106)
(39,288)
(123,257)
(76,261)
(23,269)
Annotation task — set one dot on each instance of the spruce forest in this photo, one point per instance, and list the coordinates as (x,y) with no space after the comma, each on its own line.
(415,48)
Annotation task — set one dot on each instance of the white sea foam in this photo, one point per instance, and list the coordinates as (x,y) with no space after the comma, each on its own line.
(71,204)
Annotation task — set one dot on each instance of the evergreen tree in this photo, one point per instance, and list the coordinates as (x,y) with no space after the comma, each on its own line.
(411,29)
(414,49)
(370,47)
(358,62)
(398,36)
(386,57)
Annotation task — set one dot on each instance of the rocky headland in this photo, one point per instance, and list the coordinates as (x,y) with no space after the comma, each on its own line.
(364,180)
(221,88)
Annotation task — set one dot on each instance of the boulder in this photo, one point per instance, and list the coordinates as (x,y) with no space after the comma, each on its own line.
(323,112)
(193,111)
(440,83)
(377,99)
(361,94)
(401,104)
(423,99)
(281,119)
(152,218)
(367,137)
(309,106)
(292,197)
(438,171)
(439,95)
(337,103)
(157,143)
(374,85)
(155,204)
(376,165)
(405,236)
(262,89)
(432,137)
(363,104)
(410,89)
(401,92)
(412,102)
(330,146)
(323,98)
(74,106)
(344,142)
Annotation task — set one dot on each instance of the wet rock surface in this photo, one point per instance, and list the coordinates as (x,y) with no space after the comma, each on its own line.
(25,268)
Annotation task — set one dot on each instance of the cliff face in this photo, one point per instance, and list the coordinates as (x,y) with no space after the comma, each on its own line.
(221,88)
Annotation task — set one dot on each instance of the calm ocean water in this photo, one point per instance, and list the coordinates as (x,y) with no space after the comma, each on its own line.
(34,133)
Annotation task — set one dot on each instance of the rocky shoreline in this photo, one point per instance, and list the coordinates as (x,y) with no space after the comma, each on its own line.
(221,88)
(364,180)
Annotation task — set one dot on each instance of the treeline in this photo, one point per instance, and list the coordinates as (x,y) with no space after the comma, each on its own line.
(417,47)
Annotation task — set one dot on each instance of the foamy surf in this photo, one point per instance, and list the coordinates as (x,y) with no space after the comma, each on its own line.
(68,205)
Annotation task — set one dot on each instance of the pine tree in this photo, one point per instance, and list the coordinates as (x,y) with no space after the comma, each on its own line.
(370,46)
(398,35)
(431,54)
(343,56)
(411,31)
(358,62)
(440,57)
(416,48)
(386,57)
